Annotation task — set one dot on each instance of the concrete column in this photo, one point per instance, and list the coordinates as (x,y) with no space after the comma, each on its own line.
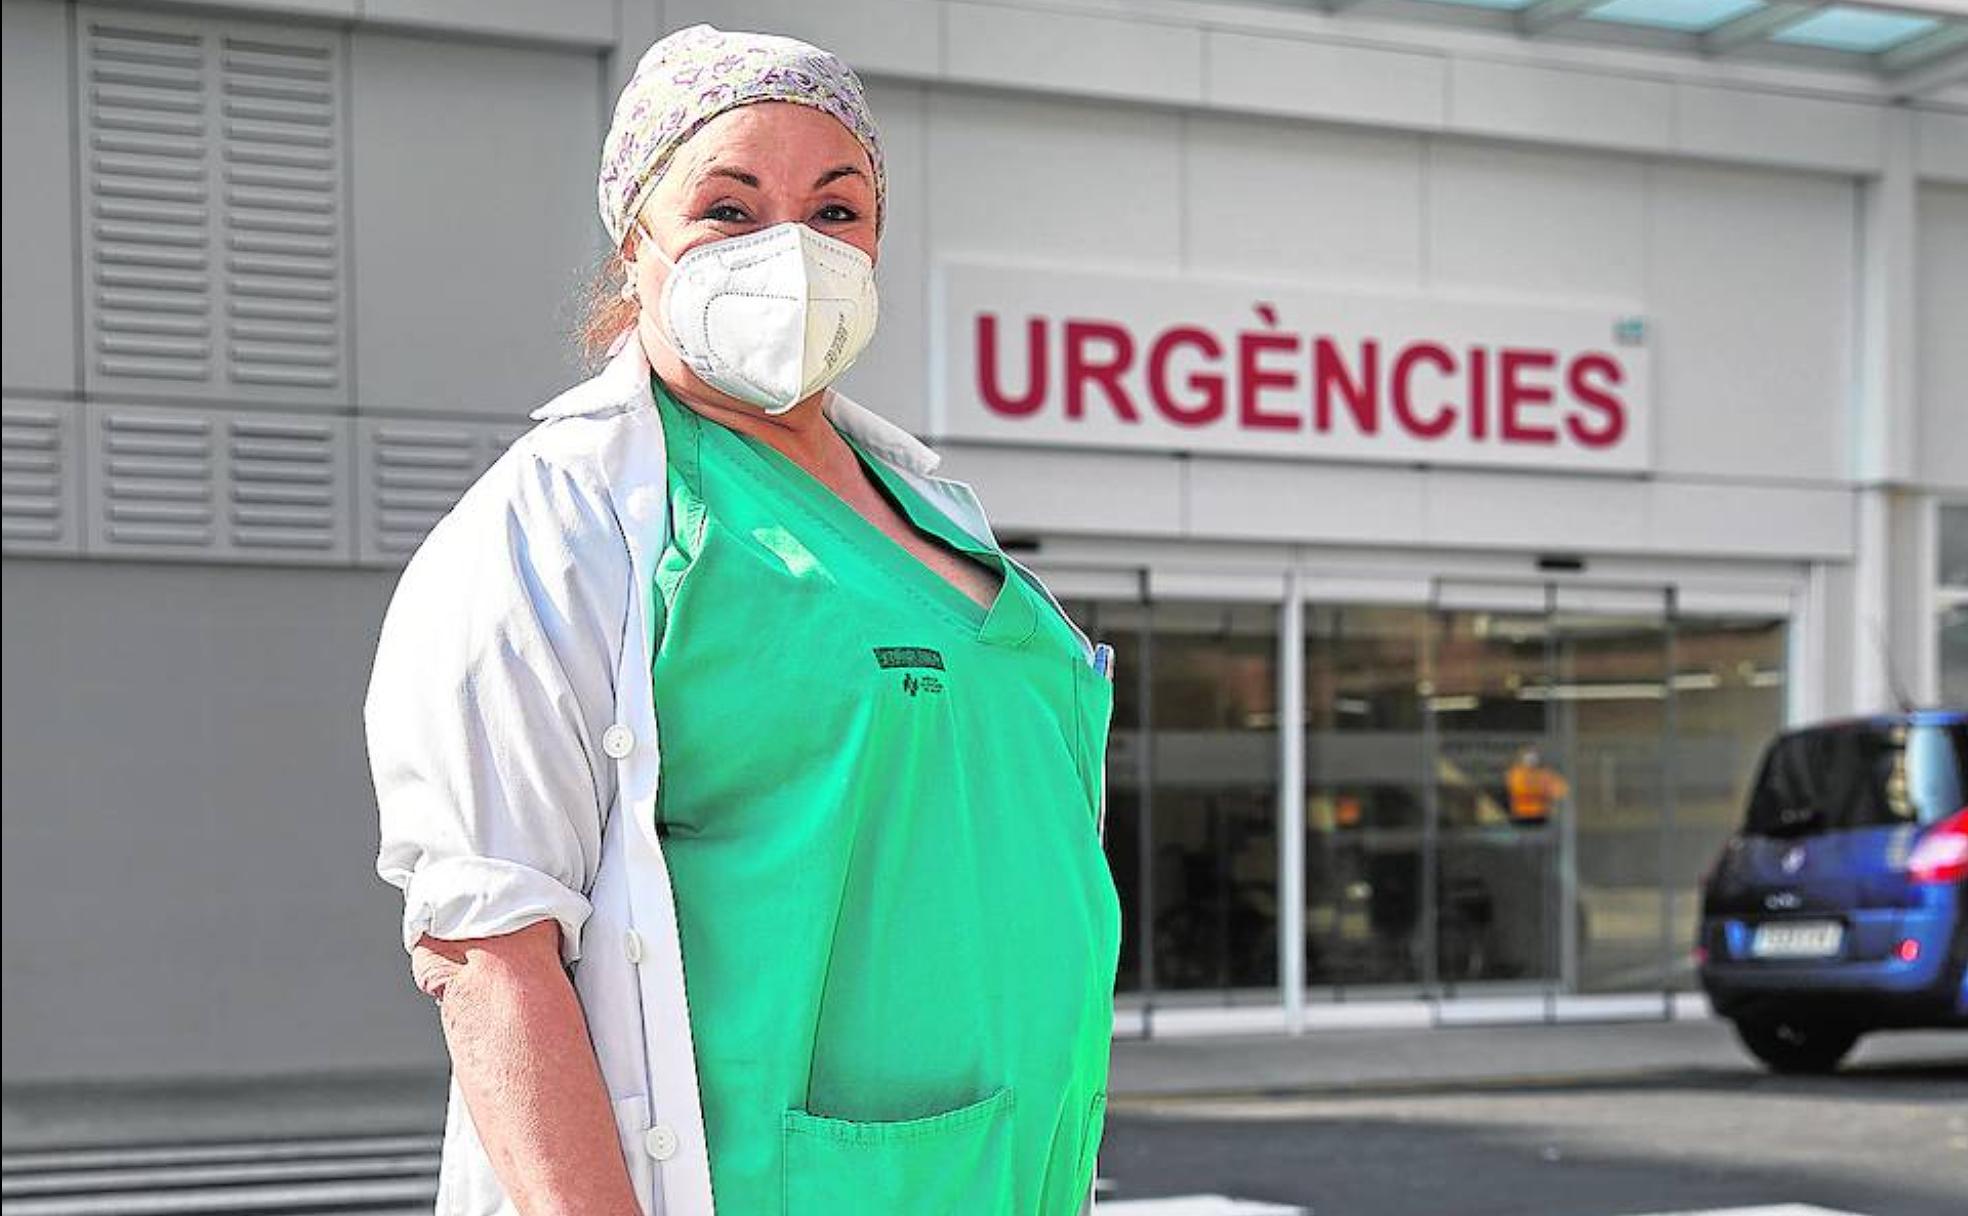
(1291,803)
(1884,421)
(1871,620)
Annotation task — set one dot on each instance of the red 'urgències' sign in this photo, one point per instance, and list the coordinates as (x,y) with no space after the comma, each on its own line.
(1116,361)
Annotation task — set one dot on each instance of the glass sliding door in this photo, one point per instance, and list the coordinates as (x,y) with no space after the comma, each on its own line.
(1550,713)
(1507,788)
(1213,723)
(1729,695)
(1365,798)
(1497,785)
(1192,764)
(1608,711)
(1589,756)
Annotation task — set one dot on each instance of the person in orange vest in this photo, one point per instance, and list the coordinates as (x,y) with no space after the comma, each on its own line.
(1533,788)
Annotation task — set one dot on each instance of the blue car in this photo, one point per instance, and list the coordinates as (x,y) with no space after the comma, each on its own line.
(1841,906)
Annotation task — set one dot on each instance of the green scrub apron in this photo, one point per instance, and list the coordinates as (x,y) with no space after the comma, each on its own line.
(878,803)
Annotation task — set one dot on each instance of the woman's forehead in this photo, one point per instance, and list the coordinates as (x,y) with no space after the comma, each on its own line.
(776,142)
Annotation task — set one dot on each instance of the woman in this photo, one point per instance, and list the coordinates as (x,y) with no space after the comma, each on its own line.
(872,856)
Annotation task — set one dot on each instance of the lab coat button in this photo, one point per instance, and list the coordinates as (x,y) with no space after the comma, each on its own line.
(618,741)
(632,945)
(660,1142)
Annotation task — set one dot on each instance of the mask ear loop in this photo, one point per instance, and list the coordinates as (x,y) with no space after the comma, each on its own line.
(647,237)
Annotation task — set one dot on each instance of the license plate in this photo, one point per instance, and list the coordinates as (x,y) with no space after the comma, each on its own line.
(1797,939)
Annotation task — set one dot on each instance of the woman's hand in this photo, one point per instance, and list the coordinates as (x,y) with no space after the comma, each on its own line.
(523,1059)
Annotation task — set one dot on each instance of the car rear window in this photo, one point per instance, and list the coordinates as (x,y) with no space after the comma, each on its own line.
(1859,775)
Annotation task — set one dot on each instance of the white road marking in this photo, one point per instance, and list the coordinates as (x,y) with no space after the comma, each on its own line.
(1194,1205)
(1779,1209)
(1222,1205)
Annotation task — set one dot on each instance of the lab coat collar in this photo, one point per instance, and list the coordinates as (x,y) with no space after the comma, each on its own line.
(624,382)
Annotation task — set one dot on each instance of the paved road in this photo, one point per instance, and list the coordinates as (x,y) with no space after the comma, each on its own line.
(1888,1137)
(1500,1121)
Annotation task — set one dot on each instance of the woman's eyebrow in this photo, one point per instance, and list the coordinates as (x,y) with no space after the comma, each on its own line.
(737,175)
(751,179)
(835,174)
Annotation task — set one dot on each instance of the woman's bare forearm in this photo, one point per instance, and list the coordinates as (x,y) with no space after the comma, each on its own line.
(523,1059)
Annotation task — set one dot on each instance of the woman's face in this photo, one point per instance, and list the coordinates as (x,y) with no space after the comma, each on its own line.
(746,170)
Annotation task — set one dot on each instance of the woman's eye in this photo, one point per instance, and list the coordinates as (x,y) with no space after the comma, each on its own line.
(837,214)
(727,213)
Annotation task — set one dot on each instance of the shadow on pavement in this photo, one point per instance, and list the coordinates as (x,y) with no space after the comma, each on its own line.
(1747,1078)
(1400,1167)
(1910,1075)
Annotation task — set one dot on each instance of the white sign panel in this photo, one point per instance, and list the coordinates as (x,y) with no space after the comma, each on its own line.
(1070,359)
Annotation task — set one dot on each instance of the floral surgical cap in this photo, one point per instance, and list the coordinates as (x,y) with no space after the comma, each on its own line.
(687,78)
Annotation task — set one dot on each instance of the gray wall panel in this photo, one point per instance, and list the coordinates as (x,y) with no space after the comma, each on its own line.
(475,225)
(37,233)
(348,10)
(1941,342)
(1110,176)
(191,828)
(1751,278)
(1563,226)
(875,36)
(1293,200)
(580,21)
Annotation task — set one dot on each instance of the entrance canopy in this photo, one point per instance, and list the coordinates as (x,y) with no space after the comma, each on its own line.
(1910,47)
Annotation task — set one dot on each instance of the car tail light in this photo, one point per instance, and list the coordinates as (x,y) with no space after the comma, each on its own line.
(1908,951)
(1941,853)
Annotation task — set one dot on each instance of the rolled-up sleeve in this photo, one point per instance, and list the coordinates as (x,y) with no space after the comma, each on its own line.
(492,685)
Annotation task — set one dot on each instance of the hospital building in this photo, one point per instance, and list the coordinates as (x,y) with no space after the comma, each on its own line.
(1477,426)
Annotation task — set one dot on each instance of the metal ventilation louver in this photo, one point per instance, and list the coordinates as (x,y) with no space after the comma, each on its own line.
(283,324)
(38,489)
(220,484)
(156,473)
(212,178)
(286,484)
(413,473)
(150,212)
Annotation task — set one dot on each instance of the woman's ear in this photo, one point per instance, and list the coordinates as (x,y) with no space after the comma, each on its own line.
(631,267)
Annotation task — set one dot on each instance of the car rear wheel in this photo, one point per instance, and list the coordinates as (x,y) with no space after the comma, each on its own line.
(1796,1047)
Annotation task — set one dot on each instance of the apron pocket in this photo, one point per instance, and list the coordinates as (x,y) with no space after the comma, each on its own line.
(954,1163)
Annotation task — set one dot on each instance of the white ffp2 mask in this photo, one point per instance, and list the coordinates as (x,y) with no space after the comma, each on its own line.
(772,317)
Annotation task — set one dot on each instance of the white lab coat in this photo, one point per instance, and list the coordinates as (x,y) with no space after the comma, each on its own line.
(512,739)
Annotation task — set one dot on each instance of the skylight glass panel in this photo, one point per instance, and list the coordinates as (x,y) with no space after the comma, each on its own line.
(1843,28)
(1506,5)
(1688,16)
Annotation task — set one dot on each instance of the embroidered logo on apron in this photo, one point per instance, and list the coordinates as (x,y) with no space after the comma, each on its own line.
(908,656)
